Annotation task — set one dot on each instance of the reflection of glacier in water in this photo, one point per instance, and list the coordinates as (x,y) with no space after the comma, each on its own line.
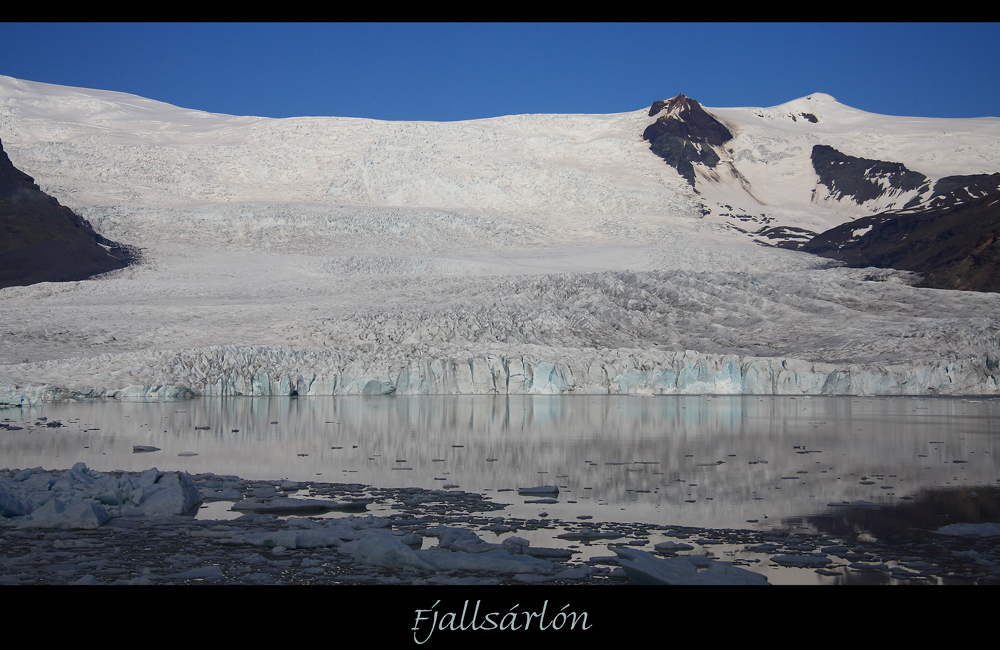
(719,461)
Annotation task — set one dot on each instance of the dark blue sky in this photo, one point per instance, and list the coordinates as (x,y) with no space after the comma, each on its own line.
(467,71)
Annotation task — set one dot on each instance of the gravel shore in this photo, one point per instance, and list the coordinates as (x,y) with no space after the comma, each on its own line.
(248,549)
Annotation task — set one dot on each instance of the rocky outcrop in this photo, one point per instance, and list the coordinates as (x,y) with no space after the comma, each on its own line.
(43,241)
(862,179)
(684,134)
(787,236)
(953,239)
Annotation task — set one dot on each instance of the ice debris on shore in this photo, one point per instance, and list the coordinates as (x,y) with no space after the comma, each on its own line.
(84,498)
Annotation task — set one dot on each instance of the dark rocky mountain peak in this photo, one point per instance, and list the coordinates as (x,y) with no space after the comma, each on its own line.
(863,179)
(680,101)
(684,133)
(684,117)
(952,239)
(43,241)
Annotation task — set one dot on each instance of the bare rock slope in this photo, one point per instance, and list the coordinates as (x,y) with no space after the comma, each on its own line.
(43,241)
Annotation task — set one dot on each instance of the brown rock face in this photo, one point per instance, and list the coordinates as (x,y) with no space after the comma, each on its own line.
(42,241)
(685,134)
(683,117)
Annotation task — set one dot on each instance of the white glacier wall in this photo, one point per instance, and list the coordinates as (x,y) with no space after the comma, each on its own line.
(237,371)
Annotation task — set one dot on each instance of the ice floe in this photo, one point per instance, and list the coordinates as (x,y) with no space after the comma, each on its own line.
(644,568)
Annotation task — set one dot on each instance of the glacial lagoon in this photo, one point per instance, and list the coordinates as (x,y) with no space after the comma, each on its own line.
(719,462)
(714,461)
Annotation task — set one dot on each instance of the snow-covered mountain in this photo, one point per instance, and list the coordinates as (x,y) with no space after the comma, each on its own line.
(527,253)
(946,228)
(814,163)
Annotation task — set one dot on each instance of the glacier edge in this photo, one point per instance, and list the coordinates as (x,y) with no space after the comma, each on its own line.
(226,371)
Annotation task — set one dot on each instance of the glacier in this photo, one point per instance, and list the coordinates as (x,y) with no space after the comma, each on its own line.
(528,254)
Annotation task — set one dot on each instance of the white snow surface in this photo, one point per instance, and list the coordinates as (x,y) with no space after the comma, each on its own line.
(772,147)
(520,254)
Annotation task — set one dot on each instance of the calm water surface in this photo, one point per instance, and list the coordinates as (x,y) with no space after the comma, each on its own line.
(720,461)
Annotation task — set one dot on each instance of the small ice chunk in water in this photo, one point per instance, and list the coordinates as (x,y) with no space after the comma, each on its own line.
(646,569)
(515,545)
(542,489)
(972,530)
(801,560)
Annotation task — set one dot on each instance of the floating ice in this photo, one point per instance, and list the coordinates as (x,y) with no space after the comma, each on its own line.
(971,530)
(646,569)
(288,505)
(801,560)
(544,489)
